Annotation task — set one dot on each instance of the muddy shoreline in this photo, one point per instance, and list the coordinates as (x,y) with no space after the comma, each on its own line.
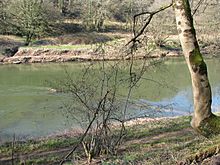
(48,55)
(43,55)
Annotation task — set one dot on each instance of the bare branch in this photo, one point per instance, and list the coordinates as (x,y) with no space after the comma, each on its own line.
(197,7)
(86,131)
(151,14)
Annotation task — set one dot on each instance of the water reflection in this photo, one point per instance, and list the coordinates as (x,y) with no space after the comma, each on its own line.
(28,109)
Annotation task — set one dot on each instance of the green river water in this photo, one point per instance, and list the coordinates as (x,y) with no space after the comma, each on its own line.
(29,109)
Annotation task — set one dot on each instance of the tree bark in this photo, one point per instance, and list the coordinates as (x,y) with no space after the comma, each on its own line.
(204,121)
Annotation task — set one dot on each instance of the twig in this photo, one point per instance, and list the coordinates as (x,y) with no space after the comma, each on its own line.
(87,130)
(197,7)
(12,150)
(151,14)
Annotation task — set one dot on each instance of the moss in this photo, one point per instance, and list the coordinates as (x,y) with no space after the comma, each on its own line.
(197,62)
(196,57)
(211,126)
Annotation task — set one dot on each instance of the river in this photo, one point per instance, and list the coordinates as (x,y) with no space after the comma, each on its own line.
(29,109)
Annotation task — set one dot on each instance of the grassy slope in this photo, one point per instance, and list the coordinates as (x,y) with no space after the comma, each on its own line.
(157,142)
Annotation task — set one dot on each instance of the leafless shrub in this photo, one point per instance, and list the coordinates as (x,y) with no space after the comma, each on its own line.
(96,105)
(100,98)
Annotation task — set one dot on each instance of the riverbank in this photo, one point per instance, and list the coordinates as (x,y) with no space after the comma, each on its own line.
(91,47)
(110,47)
(171,141)
(45,55)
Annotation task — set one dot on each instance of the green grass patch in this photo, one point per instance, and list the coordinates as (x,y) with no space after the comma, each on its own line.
(163,142)
(37,145)
(166,141)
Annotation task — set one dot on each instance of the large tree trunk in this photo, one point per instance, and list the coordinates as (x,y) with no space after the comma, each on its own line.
(204,121)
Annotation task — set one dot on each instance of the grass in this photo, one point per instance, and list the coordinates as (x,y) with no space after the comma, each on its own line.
(74,41)
(86,41)
(58,47)
(166,141)
(37,146)
(74,47)
(12,37)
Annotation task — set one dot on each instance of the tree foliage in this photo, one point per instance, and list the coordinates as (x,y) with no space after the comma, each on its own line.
(4,17)
(29,18)
(94,13)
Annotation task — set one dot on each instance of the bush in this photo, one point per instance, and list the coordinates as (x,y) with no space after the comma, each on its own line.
(30,18)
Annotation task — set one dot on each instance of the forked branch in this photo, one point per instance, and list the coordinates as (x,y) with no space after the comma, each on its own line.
(149,18)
